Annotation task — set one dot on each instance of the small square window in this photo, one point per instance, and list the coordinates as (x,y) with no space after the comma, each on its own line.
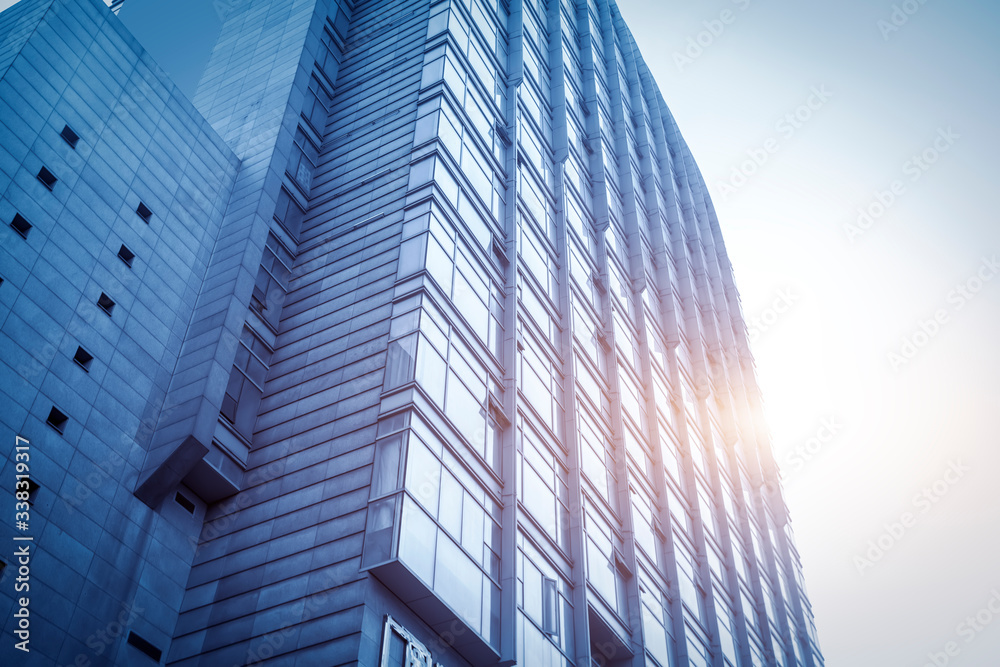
(144,645)
(57,419)
(144,212)
(33,490)
(126,255)
(47,178)
(185,502)
(83,358)
(70,136)
(20,225)
(106,304)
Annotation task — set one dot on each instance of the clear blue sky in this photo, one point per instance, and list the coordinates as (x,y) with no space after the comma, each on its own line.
(901,123)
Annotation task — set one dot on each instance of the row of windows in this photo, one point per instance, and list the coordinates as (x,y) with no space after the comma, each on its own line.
(590,337)
(536,151)
(439,521)
(580,224)
(488,63)
(539,314)
(289,213)
(438,119)
(315,109)
(657,628)
(271,284)
(302,162)
(594,388)
(606,570)
(540,380)
(536,113)
(435,170)
(442,123)
(428,350)
(545,619)
(533,25)
(544,484)
(459,275)
(489,18)
(434,477)
(446,64)
(538,261)
(241,401)
(327,61)
(645,524)
(537,203)
(598,456)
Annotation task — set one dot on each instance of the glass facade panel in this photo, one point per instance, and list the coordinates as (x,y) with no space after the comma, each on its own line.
(447,529)
(656,623)
(603,571)
(544,486)
(241,402)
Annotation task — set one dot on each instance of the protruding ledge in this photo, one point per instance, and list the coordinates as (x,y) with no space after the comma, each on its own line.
(163,479)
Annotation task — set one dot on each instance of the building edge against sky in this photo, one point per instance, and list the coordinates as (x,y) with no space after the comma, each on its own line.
(414,335)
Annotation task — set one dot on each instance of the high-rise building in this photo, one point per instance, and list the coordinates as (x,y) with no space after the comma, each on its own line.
(412,341)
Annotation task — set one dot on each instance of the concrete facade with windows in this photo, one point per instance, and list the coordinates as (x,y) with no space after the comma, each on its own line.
(421,347)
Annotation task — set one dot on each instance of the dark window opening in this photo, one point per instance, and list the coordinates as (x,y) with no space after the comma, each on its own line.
(57,419)
(145,646)
(83,358)
(47,178)
(20,225)
(70,136)
(126,255)
(185,502)
(144,212)
(106,304)
(33,487)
